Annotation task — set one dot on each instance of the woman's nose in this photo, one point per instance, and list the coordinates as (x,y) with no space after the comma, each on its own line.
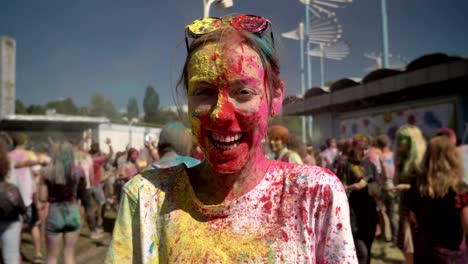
(223,110)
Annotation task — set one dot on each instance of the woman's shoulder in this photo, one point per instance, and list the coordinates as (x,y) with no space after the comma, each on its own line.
(304,176)
(154,180)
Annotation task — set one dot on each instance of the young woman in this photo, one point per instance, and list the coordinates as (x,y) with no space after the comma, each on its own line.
(410,149)
(63,221)
(236,206)
(360,173)
(438,202)
(11,209)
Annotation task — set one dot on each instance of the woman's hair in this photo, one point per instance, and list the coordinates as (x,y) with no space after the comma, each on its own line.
(411,161)
(279,132)
(382,141)
(4,162)
(60,169)
(226,36)
(441,168)
(175,137)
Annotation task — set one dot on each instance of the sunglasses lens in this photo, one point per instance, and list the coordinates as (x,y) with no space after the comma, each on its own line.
(250,23)
(202,26)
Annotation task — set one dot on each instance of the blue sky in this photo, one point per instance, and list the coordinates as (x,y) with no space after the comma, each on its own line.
(118,47)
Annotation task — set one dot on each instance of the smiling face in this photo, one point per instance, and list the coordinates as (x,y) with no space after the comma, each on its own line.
(228,105)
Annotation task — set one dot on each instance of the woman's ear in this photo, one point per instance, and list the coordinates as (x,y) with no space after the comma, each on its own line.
(277,102)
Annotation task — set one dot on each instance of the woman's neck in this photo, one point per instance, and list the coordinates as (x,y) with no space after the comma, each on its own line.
(215,188)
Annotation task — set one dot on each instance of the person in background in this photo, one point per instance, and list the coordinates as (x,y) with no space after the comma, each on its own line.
(236,206)
(438,204)
(63,221)
(346,147)
(310,156)
(410,149)
(330,153)
(126,171)
(149,153)
(279,139)
(85,192)
(360,176)
(174,146)
(389,198)
(28,189)
(11,210)
(99,159)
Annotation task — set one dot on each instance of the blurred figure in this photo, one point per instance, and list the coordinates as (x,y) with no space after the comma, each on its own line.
(85,189)
(330,153)
(410,149)
(28,189)
(99,159)
(360,176)
(63,222)
(438,201)
(342,161)
(295,144)
(126,171)
(310,157)
(149,153)
(279,138)
(11,209)
(388,197)
(174,146)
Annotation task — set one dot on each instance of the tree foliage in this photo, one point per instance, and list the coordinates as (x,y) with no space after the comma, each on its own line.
(101,106)
(151,105)
(132,108)
(20,109)
(66,106)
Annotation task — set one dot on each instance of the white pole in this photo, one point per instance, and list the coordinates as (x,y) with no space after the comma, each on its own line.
(206,7)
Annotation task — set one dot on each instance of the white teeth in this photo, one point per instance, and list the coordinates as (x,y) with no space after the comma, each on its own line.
(226,139)
(226,147)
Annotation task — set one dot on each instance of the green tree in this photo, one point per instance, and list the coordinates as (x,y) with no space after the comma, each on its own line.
(151,105)
(36,109)
(66,106)
(101,106)
(132,108)
(20,109)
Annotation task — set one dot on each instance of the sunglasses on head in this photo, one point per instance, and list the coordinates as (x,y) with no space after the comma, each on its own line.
(250,23)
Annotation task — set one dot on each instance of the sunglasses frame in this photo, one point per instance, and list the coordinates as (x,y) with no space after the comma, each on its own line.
(235,22)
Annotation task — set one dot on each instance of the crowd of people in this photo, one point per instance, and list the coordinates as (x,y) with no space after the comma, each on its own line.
(243,194)
(50,189)
(418,187)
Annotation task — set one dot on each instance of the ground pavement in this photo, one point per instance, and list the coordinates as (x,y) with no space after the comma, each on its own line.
(92,252)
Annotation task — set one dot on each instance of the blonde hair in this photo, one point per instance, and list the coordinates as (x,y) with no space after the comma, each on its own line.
(410,164)
(440,168)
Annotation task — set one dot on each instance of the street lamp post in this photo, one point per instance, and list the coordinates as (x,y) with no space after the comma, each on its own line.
(383,8)
(222,4)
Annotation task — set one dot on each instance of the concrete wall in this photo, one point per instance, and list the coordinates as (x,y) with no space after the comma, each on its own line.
(7,76)
(123,135)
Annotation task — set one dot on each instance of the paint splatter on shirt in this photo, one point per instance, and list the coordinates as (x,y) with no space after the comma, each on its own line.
(296,214)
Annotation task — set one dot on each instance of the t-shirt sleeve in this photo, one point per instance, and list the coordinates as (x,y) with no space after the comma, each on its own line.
(125,245)
(334,241)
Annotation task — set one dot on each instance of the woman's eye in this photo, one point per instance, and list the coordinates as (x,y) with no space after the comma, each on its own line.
(245,94)
(203,91)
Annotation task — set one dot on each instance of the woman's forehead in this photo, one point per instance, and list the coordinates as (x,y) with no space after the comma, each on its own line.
(225,56)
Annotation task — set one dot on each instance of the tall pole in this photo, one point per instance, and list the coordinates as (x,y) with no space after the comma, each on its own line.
(322,55)
(206,7)
(307,34)
(301,43)
(384,33)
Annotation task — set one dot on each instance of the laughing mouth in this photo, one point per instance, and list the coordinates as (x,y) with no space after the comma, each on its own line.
(224,141)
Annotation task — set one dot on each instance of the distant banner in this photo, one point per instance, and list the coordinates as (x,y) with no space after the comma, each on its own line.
(427,118)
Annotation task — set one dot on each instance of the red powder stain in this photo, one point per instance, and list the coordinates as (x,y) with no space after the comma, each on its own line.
(337,210)
(214,57)
(339,226)
(285,236)
(267,207)
(309,230)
